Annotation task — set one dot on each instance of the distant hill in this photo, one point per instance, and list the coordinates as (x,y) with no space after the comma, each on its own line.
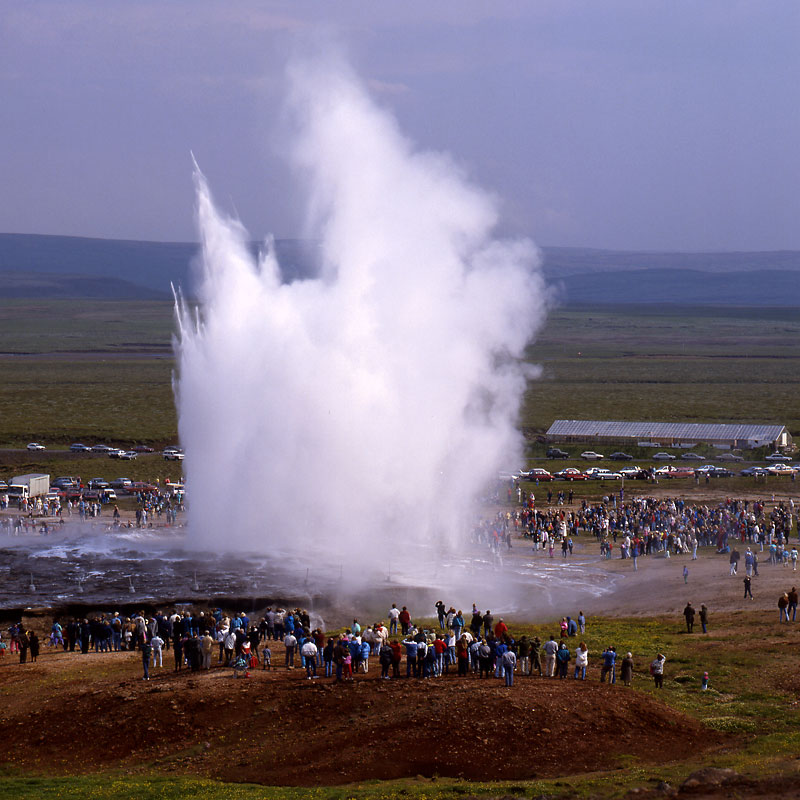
(682,287)
(48,285)
(560,262)
(82,267)
(153,265)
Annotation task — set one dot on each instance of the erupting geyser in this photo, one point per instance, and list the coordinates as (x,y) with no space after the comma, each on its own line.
(354,417)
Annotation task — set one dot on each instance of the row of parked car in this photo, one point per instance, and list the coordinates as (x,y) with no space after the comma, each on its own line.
(591,455)
(637,473)
(169,453)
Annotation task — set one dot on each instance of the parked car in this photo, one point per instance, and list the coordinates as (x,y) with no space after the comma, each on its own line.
(692,457)
(115,452)
(121,483)
(569,474)
(3,486)
(143,448)
(634,473)
(127,455)
(781,469)
(664,472)
(77,447)
(36,446)
(771,457)
(64,482)
(590,455)
(97,483)
(102,448)
(753,471)
(174,455)
(554,452)
(721,472)
(620,456)
(730,457)
(601,474)
(662,456)
(537,474)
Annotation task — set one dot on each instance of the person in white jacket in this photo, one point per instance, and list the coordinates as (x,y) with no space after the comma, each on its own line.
(581,661)
(157,643)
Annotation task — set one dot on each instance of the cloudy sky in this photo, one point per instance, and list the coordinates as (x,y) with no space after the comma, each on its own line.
(620,124)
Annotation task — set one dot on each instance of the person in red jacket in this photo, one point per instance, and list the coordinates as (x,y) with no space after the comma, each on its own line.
(405,620)
(500,630)
(397,655)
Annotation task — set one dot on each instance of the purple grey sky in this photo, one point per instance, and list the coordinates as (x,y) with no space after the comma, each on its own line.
(625,124)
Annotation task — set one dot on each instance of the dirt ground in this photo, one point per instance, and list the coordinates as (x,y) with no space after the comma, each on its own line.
(74,713)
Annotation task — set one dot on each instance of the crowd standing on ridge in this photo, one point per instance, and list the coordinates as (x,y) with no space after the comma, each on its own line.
(476,645)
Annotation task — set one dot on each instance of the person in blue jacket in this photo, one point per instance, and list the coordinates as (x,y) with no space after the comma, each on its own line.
(609,665)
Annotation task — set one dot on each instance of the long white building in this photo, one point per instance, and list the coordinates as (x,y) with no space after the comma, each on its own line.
(669,434)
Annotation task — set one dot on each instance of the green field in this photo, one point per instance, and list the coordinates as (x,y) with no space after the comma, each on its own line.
(102,370)
(667,364)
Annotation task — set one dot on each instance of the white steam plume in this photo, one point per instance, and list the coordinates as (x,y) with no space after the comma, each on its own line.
(355,417)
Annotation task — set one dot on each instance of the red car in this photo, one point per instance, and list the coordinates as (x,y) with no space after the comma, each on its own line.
(142,448)
(570,474)
(537,474)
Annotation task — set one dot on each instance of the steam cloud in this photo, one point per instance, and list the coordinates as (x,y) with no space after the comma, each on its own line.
(354,418)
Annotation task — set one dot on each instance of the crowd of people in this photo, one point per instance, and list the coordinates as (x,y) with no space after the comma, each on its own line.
(645,526)
(477,645)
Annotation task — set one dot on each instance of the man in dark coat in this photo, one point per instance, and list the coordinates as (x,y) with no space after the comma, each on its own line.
(688,613)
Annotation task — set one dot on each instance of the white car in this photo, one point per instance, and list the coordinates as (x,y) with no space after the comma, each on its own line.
(600,474)
(666,471)
(176,455)
(590,455)
(662,456)
(772,457)
(36,446)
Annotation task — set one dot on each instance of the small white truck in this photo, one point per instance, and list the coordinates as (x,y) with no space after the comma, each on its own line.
(34,484)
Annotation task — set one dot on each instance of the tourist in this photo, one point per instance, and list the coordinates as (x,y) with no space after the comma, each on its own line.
(33,645)
(657,671)
(562,659)
(509,663)
(290,643)
(550,649)
(783,605)
(157,643)
(626,669)
(147,650)
(704,618)
(609,665)
(309,653)
(581,661)
(688,613)
(792,607)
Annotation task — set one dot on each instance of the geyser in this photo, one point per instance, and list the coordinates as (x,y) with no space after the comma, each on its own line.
(355,418)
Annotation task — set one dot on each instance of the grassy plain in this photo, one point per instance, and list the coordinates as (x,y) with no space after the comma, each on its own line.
(666,364)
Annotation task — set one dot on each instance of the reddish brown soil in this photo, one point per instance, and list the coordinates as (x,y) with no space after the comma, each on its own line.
(73,713)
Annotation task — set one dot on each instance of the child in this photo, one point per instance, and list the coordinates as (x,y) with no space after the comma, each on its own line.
(266,656)
(241,664)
